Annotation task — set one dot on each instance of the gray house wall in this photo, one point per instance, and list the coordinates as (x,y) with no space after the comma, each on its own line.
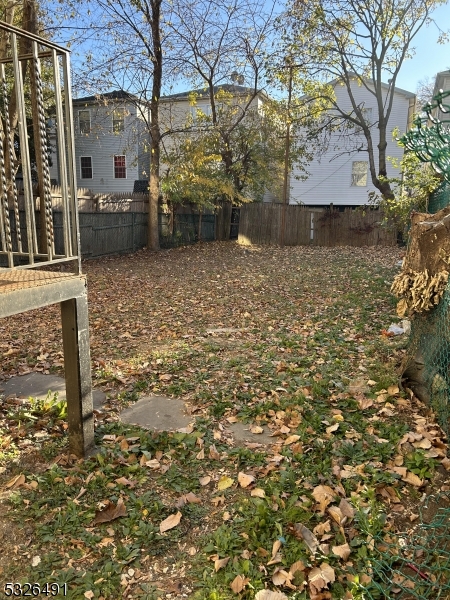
(102,144)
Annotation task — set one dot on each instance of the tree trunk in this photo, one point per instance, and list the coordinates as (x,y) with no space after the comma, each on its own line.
(155,133)
(383,186)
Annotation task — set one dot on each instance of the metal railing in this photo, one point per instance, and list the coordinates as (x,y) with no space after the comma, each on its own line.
(35,97)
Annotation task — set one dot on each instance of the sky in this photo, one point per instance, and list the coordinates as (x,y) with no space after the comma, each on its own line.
(430,57)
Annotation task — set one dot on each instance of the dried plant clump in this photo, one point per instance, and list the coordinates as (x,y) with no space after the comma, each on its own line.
(418,291)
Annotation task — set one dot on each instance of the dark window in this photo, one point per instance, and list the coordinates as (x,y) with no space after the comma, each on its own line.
(86,167)
(120,167)
(118,120)
(84,119)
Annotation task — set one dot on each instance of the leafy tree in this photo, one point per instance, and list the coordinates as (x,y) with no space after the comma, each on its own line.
(411,190)
(123,44)
(366,42)
(218,44)
(196,169)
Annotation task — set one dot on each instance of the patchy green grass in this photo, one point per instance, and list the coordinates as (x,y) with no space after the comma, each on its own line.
(287,339)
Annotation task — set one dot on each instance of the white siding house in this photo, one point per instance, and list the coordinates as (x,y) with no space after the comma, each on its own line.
(341,175)
(111,143)
(442,83)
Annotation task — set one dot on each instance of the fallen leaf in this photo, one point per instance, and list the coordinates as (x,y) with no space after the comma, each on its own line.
(275,547)
(413,479)
(190,498)
(268,595)
(337,515)
(445,462)
(320,577)
(245,480)
(201,454)
(393,390)
(110,512)
(323,495)
(297,566)
(213,454)
(16,482)
(332,428)
(106,541)
(281,577)
(239,583)
(124,444)
(125,481)
(220,563)
(224,483)
(89,594)
(322,528)
(256,429)
(346,508)
(188,429)
(205,480)
(342,551)
(258,492)
(365,403)
(232,419)
(291,440)
(424,444)
(166,377)
(309,538)
(171,522)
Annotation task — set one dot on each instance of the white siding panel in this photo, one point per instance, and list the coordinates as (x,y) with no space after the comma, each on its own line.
(331,174)
(102,144)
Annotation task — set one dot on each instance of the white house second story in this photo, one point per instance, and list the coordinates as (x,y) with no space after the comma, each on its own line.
(442,83)
(111,142)
(189,111)
(341,174)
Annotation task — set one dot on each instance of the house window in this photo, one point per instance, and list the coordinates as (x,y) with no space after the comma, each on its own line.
(84,120)
(205,109)
(367,115)
(120,167)
(86,167)
(359,172)
(118,120)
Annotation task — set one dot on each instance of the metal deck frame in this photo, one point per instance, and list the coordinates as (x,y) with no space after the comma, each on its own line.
(24,285)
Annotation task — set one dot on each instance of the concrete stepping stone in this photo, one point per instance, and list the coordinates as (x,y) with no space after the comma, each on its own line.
(158,413)
(38,385)
(242,433)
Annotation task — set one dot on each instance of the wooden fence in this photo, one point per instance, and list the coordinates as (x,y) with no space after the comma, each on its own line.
(89,201)
(262,223)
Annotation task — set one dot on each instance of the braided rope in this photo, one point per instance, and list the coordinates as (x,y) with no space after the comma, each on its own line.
(45,166)
(4,195)
(11,162)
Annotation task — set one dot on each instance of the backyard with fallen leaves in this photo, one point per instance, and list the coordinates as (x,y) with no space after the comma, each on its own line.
(288,341)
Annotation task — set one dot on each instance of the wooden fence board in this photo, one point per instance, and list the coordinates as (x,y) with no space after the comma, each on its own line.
(260,223)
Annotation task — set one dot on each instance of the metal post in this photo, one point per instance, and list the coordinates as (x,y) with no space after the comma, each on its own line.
(77,368)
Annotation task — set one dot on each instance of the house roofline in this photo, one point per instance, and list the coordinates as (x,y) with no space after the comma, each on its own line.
(236,90)
(334,82)
(439,81)
(106,97)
